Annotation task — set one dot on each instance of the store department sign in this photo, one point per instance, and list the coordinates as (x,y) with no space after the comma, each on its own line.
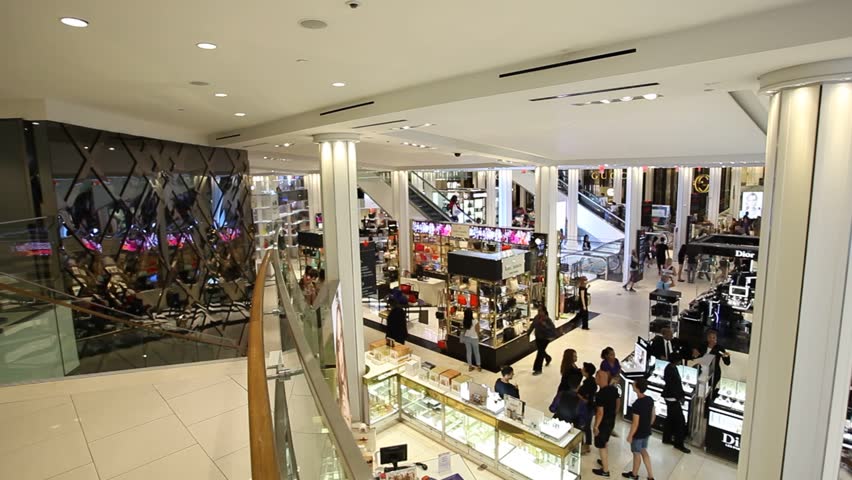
(513,266)
(744,254)
(701,183)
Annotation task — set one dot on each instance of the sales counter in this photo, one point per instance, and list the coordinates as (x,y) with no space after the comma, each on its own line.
(513,439)
(725,422)
(689,380)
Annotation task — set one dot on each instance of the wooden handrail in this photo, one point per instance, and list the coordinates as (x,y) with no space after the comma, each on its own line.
(123,321)
(264,464)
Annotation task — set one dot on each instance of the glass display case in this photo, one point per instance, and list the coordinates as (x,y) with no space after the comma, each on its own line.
(470,427)
(725,422)
(422,404)
(520,454)
(384,398)
(689,382)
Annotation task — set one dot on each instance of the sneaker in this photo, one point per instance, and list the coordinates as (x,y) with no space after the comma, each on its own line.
(536,372)
(683,449)
(629,475)
(599,472)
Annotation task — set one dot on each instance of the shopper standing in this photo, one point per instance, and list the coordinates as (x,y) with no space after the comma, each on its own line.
(583,297)
(691,266)
(568,367)
(634,272)
(711,346)
(470,338)
(545,331)
(504,386)
(666,280)
(568,406)
(681,259)
(609,363)
(674,428)
(587,244)
(587,392)
(397,323)
(662,251)
(605,411)
(640,430)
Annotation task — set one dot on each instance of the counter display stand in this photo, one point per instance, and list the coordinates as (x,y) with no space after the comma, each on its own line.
(496,286)
(663,309)
(725,423)
(513,449)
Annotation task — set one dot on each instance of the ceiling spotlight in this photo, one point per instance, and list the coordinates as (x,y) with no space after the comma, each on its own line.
(604,101)
(650,96)
(405,143)
(206,46)
(111,149)
(74,22)
(422,146)
(406,127)
(626,99)
(239,114)
(35,123)
(220,94)
(427,124)
(288,144)
(277,146)
(771,92)
(338,84)
(266,158)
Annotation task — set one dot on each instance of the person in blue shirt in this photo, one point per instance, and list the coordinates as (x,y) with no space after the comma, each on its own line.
(503,386)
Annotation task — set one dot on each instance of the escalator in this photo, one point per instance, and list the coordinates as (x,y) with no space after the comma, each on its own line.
(428,202)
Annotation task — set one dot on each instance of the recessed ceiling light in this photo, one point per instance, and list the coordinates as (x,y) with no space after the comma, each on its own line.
(239,114)
(288,144)
(85,148)
(111,149)
(74,22)
(406,127)
(312,24)
(604,101)
(35,123)
(650,96)
(266,158)
(338,84)
(626,99)
(770,92)
(427,124)
(220,94)
(847,79)
(206,46)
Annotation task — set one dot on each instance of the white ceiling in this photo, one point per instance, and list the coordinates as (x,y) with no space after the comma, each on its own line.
(137,59)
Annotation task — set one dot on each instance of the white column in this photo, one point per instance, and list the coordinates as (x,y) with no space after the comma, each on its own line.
(546,191)
(490,216)
(649,184)
(479,179)
(617,189)
(801,340)
(342,252)
(736,191)
(313,186)
(632,215)
(572,179)
(402,214)
(504,208)
(714,195)
(684,203)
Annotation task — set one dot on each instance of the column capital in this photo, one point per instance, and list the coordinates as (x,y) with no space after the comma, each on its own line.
(829,71)
(337,137)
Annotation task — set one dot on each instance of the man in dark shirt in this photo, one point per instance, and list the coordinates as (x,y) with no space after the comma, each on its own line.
(503,386)
(662,253)
(674,429)
(605,411)
(640,429)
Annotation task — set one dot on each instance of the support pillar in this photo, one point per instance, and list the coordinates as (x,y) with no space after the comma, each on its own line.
(649,185)
(617,185)
(546,191)
(490,217)
(684,203)
(714,195)
(572,234)
(736,191)
(801,340)
(479,179)
(632,216)
(313,186)
(402,214)
(504,208)
(343,257)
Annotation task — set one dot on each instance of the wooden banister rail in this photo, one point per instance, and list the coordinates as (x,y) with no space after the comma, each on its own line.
(264,464)
(130,323)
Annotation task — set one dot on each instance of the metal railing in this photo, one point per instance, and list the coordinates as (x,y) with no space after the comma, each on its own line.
(434,196)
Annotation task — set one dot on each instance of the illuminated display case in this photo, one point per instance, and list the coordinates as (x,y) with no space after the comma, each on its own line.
(689,381)
(514,449)
(725,422)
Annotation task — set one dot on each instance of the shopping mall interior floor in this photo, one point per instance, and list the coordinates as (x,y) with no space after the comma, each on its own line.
(623,317)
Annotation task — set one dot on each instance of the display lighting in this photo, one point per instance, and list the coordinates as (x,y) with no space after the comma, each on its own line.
(411,127)
(417,145)
(283,145)
(338,84)
(206,46)
(74,22)
(607,101)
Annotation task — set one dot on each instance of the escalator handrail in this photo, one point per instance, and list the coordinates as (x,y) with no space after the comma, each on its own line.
(126,322)
(468,218)
(445,216)
(587,201)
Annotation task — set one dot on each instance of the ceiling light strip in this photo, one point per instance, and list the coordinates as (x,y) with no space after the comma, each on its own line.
(592,92)
(576,61)
(350,107)
(379,124)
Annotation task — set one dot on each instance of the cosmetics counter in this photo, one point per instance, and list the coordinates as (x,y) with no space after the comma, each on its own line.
(514,440)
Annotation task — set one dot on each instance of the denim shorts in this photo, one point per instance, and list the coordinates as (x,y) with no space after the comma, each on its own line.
(638,444)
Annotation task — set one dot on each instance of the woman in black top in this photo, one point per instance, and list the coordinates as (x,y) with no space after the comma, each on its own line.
(583,295)
(568,367)
(587,244)
(587,392)
(681,259)
(545,332)
(397,324)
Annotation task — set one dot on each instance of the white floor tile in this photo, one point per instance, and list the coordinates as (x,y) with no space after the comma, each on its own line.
(138,446)
(14,410)
(37,426)
(188,464)
(209,401)
(236,466)
(107,412)
(86,472)
(46,459)
(223,434)
(176,388)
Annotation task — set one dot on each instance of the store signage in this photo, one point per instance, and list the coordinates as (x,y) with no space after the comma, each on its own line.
(513,266)
(744,254)
(602,174)
(731,441)
(701,184)
(512,236)
(461,230)
(432,228)
(480,194)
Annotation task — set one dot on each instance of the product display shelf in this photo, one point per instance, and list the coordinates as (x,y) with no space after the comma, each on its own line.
(514,449)
(430,253)
(267,223)
(663,311)
(293,212)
